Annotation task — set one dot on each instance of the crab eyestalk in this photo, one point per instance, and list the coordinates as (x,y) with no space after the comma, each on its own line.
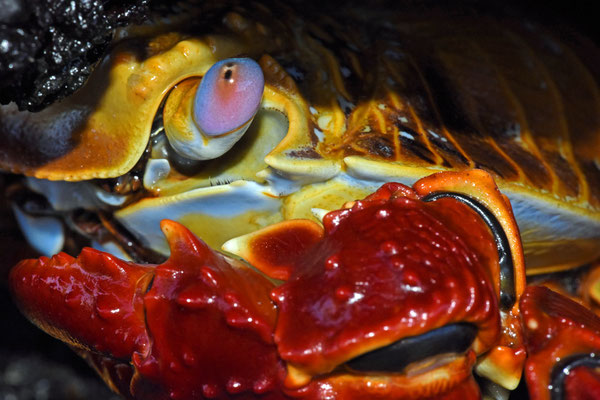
(204,120)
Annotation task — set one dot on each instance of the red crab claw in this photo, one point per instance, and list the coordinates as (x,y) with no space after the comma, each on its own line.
(198,326)
(392,298)
(563,345)
(94,301)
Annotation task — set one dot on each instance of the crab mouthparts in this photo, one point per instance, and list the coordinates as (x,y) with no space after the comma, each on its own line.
(452,338)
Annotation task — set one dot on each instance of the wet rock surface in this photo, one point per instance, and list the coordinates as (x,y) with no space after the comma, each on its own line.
(28,376)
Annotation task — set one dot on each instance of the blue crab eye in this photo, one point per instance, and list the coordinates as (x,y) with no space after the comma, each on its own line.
(228,96)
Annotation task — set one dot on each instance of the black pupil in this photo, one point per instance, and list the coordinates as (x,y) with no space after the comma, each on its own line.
(228,74)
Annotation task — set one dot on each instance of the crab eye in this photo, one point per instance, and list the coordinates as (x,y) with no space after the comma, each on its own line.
(204,118)
(228,96)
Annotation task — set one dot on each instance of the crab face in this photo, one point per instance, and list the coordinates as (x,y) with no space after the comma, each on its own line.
(328,112)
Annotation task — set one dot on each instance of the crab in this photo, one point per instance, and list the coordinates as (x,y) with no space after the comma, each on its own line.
(247,137)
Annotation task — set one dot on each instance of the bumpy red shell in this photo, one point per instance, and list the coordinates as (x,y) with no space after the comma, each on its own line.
(385,269)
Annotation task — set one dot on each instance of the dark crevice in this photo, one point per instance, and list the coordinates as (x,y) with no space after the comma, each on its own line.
(453,338)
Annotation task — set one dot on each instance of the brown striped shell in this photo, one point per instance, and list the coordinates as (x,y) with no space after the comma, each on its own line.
(437,93)
(514,99)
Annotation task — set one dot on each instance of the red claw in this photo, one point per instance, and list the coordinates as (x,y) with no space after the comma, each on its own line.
(381,264)
(384,269)
(94,301)
(197,326)
(210,325)
(382,277)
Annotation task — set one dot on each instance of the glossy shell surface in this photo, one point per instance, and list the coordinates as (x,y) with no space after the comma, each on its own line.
(349,103)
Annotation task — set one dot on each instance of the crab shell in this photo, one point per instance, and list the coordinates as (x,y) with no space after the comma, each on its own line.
(202,325)
(348,104)
(346,107)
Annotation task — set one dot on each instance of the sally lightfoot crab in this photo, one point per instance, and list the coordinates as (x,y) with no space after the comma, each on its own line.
(248,123)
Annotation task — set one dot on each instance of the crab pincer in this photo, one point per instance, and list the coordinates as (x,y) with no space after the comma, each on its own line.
(395,296)
(197,326)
